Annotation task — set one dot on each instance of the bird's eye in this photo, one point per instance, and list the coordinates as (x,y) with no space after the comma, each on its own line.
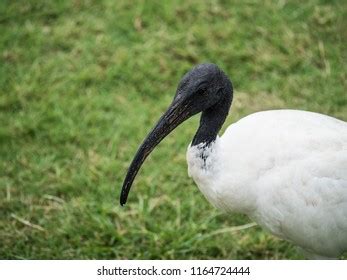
(202,88)
(201,91)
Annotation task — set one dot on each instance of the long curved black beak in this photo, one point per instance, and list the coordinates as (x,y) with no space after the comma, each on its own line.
(178,112)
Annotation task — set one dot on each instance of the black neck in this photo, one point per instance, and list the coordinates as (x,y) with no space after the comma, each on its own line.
(212,119)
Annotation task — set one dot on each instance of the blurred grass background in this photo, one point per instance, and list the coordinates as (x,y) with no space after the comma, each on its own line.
(82,82)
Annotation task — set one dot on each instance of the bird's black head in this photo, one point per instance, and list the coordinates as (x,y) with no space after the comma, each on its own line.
(204,89)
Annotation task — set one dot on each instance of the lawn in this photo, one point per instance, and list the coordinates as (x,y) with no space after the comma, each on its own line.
(81,84)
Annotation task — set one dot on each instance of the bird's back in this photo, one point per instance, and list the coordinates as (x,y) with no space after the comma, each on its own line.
(287,169)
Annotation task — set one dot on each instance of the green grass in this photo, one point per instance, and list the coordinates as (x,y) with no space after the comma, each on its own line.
(81,84)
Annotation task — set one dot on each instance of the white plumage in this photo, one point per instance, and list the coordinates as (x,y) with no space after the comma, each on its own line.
(286,170)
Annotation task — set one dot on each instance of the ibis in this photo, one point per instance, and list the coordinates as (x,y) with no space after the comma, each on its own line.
(285,169)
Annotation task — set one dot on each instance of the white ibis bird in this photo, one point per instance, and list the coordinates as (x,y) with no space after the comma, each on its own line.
(285,169)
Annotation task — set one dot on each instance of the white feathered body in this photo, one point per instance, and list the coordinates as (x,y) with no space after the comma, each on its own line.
(285,169)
